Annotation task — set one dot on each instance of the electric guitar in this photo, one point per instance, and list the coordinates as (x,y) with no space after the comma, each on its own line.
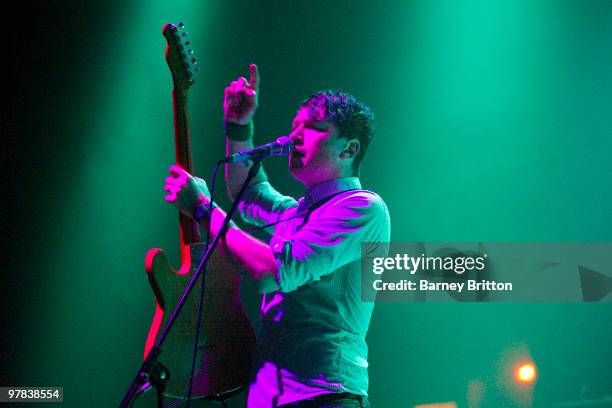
(226,341)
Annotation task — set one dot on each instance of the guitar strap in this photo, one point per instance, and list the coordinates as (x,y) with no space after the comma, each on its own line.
(305,214)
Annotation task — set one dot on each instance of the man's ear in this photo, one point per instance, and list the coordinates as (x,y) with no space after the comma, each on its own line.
(351,149)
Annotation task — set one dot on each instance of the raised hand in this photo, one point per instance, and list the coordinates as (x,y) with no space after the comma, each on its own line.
(240,99)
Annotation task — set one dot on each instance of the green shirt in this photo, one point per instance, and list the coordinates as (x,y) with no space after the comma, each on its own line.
(312,337)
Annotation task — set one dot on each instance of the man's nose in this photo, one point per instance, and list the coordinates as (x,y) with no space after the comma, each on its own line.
(296,135)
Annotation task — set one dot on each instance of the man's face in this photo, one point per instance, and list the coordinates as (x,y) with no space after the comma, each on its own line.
(316,157)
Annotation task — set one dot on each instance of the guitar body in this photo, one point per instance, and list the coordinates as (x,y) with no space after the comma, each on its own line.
(226,341)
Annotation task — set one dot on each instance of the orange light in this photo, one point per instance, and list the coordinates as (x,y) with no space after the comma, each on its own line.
(526,373)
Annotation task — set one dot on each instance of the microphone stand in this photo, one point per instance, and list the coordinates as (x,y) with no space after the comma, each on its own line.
(152,373)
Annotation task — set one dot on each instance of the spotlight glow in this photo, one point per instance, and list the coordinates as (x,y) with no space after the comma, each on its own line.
(526,373)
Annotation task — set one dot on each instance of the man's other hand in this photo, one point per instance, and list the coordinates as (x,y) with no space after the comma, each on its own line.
(185,191)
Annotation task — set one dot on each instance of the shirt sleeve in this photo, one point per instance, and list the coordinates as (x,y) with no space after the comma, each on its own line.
(262,204)
(330,239)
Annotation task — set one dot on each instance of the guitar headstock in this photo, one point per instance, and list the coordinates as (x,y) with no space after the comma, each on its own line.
(180,56)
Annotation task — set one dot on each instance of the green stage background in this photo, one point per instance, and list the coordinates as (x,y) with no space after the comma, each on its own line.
(494,123)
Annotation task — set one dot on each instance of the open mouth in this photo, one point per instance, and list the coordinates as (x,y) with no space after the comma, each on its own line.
(296,159)
(296,154)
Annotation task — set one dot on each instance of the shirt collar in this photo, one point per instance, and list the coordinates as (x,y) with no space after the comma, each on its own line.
(326,189)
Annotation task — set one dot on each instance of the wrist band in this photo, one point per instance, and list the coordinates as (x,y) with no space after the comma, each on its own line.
(202,212)
(238,133)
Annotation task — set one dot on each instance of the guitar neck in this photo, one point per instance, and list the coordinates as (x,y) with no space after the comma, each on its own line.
(190,233)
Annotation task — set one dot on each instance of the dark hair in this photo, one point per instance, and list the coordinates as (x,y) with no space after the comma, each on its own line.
(351,118)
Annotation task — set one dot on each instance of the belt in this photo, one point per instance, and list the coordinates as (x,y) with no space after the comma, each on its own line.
(313,402)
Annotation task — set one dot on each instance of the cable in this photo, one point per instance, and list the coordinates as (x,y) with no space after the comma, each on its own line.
(202,287)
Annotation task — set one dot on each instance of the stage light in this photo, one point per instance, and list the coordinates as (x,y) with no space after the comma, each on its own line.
(526,373)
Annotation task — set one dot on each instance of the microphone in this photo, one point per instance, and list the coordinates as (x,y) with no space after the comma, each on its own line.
(282,147)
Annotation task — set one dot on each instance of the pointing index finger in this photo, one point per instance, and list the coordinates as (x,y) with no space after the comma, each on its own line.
(254,78)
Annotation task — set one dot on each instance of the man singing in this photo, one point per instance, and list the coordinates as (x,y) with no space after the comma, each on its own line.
(311,349)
